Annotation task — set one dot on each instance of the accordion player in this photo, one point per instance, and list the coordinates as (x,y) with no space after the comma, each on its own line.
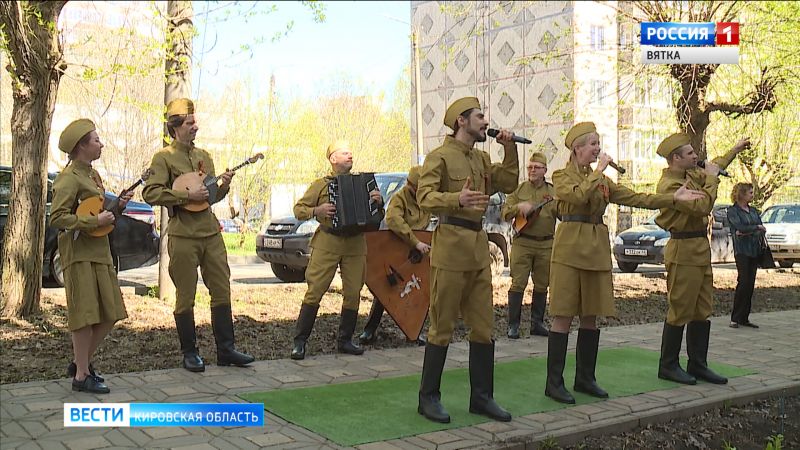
(355,211)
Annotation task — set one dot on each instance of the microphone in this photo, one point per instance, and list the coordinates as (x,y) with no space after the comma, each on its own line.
(702,165)
(619,169)
(522,140)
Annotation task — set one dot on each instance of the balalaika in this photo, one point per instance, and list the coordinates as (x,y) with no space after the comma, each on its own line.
(355,211)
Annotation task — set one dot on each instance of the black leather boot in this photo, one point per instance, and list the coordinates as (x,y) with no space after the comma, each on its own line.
(192,361)
(514,313)
(538,305)
(697,333)
(481,381)
(556,356)
(585,363)
(373,322)
(430,397)
(303,327)
(222,325)
(669,367)
(72,369)
(347,326)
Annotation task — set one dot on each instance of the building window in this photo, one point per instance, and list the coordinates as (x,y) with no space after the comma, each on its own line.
(598,37)
(598,92)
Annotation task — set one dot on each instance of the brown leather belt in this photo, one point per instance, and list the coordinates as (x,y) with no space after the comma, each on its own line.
(688,234)
(536,238)
(593,219)
(340,233)
(459,222)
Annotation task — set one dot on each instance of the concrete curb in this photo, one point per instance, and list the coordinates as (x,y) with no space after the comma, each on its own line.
(620,424)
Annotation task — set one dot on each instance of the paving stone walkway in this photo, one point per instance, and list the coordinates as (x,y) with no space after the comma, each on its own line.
(31,414)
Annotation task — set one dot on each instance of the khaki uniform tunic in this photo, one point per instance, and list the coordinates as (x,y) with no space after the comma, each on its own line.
(580,271)
(349,253)
(690,281)
(404,216)
(194,237)
(531,257)
(90,281)
(461,278)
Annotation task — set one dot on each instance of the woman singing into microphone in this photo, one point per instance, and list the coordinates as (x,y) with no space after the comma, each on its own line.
(580,270)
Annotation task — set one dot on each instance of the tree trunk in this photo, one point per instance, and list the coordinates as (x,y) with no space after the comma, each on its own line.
(36,68)
(177,79)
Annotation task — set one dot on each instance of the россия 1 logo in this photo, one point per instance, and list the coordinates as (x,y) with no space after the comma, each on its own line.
(690,43)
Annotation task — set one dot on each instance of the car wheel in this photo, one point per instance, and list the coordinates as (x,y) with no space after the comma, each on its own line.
(56,271)
(289,274)
(497,259)
(627,266)
(786,264)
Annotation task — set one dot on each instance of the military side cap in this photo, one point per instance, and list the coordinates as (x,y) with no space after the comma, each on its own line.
(538,157)
(458,107)
(73,133)
(180,107)
(578,130)
(336,146)
(671,143)
(413,175)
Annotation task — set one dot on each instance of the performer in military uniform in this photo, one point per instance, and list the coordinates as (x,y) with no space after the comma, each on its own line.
(94,300)
(687,257)
(456,182)
(531,249)
(331,249)
(580,271)
(403,217)
(194,239)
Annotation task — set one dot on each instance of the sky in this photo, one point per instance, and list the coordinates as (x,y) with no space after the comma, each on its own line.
(365,41)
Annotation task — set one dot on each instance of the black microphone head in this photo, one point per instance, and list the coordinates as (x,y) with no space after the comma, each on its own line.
(492,132)
(701,164)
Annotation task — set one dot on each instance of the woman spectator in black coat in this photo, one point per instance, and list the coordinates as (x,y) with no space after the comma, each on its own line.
(748,235)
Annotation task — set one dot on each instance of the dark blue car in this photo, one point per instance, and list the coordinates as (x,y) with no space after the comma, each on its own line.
(134,241)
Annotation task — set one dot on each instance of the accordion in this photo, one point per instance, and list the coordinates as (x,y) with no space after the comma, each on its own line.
(355,212)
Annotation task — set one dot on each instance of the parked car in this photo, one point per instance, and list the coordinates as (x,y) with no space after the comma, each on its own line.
(783,233)
(284,242)
(134,241)
(229,226)
(644,244)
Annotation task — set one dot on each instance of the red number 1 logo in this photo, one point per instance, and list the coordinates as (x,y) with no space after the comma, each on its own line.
(727,33)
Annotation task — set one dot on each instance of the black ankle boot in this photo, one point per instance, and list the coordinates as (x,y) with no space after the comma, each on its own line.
(586,362)
(697,334)
(222,325)
(347,326)
(373,322)
(430,404)
(669,367)
(303,327)
(538,306)
(556,358)
(481,380)
(514,313)
(192,361)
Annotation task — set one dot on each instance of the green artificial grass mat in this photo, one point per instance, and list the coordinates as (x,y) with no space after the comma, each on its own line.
(383,409)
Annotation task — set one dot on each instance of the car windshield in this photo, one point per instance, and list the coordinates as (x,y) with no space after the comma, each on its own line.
(782,214)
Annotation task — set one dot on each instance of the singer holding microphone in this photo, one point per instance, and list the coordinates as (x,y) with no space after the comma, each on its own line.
(580,268)
(687,257)
(455,183)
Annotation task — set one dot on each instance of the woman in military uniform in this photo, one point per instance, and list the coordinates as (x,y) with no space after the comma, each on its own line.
(403,217)
(94,300)
(580,272)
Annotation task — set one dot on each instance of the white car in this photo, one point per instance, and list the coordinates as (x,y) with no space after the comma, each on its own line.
(783,233)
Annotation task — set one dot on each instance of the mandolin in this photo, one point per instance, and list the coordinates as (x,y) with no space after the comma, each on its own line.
(521,222)
(93,206)
(199,178)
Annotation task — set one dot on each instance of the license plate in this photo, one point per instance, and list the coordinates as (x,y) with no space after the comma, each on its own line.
(635,252)
(273,243)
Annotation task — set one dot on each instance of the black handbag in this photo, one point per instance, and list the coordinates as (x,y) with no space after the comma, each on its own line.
(765,261)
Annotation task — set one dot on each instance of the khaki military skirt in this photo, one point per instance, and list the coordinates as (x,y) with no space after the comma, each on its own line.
(576,292)
(93,295)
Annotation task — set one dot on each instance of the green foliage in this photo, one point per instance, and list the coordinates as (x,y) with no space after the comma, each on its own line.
(774,442)
(234,245)
(727,446)
(549,443)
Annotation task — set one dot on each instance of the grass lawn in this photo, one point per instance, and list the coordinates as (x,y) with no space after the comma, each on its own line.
(235,246)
